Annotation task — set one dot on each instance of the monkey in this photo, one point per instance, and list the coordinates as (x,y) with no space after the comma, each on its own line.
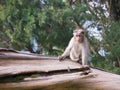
(78,48)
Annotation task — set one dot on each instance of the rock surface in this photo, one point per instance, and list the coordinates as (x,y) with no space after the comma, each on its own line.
(47,73)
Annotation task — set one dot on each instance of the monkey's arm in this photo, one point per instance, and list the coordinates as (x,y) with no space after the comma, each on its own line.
(67,50)
(85,53)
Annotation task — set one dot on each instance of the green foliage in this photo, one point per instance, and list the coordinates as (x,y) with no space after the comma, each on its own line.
(19,22)
(112,41)
(49,22)
(100,63)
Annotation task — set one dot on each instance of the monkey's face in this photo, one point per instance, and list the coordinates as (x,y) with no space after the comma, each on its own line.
(79,35)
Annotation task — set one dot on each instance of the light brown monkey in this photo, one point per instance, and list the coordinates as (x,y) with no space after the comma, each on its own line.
(78,48)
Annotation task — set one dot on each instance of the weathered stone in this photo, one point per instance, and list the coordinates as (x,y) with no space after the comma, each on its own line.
(38,72)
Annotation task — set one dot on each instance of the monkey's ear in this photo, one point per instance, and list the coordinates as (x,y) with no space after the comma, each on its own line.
(74,32)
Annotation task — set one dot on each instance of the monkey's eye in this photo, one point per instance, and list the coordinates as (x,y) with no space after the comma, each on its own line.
(82,33)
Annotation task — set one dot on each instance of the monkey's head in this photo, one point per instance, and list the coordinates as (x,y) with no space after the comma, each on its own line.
(79,35)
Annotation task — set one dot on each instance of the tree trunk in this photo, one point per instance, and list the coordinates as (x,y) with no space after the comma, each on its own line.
(114,9)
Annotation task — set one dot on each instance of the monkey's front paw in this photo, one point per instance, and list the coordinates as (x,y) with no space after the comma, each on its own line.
(85,66)
(61,58)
